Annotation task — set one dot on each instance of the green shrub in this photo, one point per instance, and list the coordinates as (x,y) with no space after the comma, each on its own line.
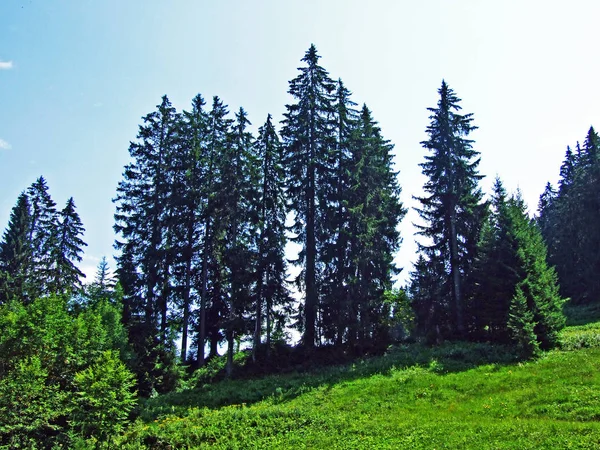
(521,325)
(584,336)
(45,347)
(29,409)
(105,398)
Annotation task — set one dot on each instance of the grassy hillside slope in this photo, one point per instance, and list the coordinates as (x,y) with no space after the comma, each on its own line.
(454,396)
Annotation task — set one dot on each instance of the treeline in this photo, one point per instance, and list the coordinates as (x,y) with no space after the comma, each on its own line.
(569,218)
(201,215)
(204,213)
(40,247)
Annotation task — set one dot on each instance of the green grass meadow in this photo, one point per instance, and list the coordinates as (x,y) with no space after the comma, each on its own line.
(454,396)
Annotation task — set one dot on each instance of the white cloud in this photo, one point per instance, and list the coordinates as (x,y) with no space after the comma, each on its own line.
(90,273)
(6,65)
(4,145)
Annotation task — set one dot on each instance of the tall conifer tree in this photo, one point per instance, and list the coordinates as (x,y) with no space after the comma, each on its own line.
(144,209)
(237,196)
(336,308)
(191,184)
(213,309)
(67,250)
(272,294)
(452,207)
(43,225)
(15,253)
(563,220)
(307,136)
(374,212)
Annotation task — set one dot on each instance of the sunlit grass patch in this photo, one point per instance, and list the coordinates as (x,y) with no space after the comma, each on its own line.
(457,395)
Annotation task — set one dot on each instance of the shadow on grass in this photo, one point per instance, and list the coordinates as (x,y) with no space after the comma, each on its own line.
(449,357)
(293,372)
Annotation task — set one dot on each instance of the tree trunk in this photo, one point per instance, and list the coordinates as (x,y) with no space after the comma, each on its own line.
(455,271)
(229,364)
(186,306)
(269,305)
(258,319)
(164,302)
(203,294)
(207,247)
(311,291)
(262,266)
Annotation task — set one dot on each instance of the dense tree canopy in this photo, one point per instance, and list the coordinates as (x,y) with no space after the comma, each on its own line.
(568,218)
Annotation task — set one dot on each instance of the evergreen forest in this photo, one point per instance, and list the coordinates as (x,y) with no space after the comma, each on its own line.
(207,301)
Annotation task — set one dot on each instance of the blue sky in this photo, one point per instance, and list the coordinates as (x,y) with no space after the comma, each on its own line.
(76,77)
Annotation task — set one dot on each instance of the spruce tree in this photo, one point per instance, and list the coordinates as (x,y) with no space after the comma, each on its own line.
(190,184)
(546,208)
(272,294)
(336,308)
(213,308)
(538,283)
(374,212)
(307,138)
(452,207)
(104,284)
(67,249)
(521,325)
(515,294)
(42,231)
(142,201)
(562,220)
(15,253)
(144,224)
(495,271)
(237,196)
